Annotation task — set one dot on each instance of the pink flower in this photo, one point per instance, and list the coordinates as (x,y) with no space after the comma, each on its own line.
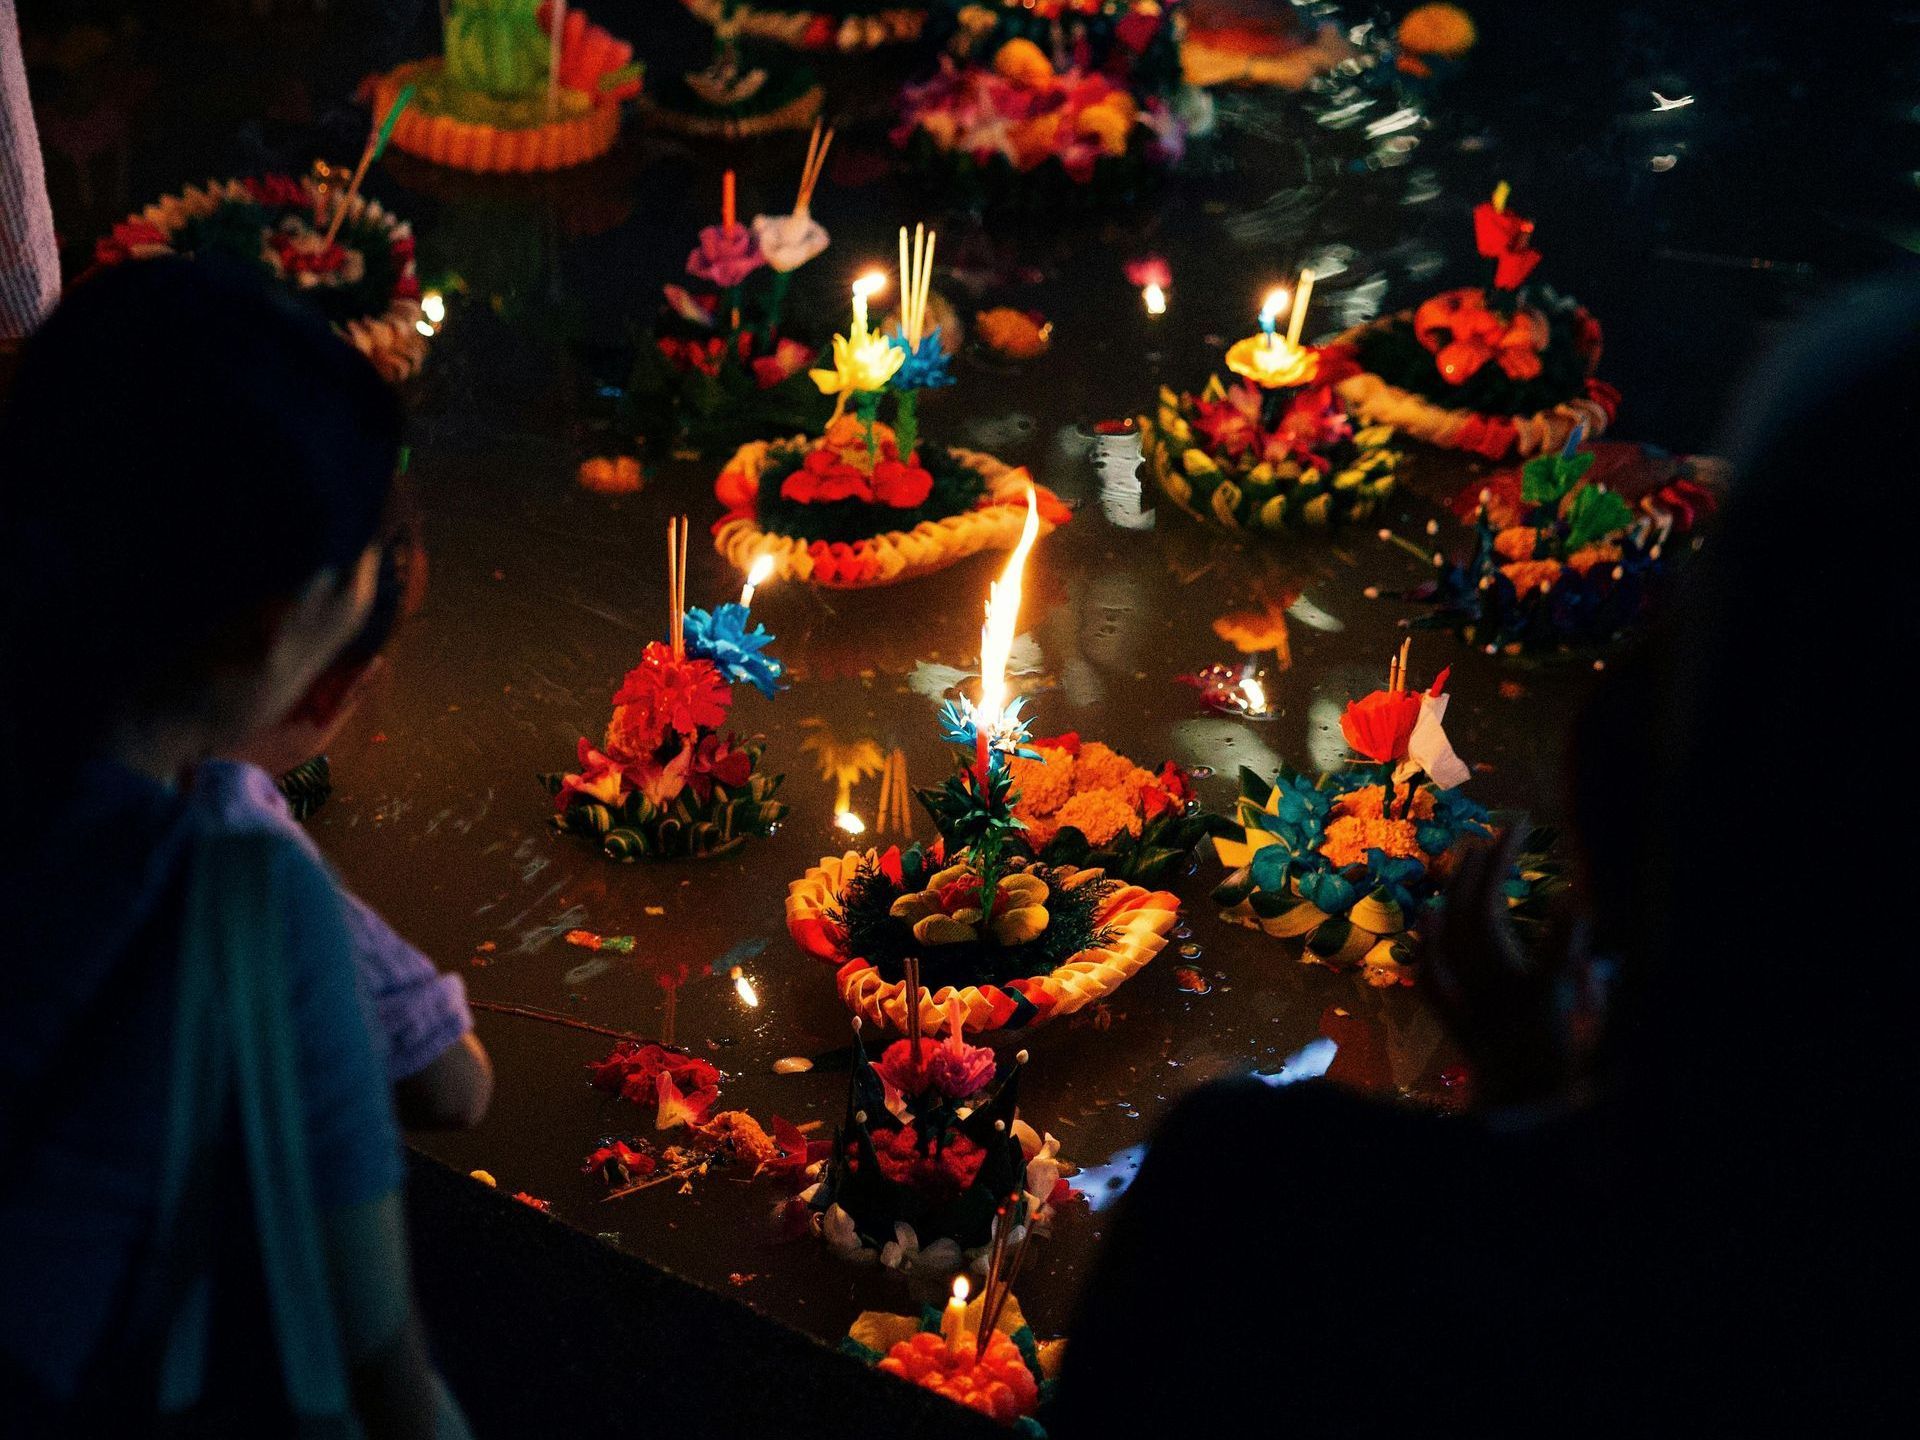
(725,256)
(600,780)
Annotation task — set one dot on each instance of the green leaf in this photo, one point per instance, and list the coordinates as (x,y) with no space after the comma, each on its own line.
(1597,513)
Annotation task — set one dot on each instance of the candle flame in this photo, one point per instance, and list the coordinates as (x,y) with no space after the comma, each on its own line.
(1256,695)
(1003,619)
(743,987)
(870,284)
(1275,304)
(1155,298)
(961,1288)
(762,568)
(850,822)
(433,306)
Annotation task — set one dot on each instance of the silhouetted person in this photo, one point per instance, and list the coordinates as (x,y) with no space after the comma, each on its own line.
(1685,1221)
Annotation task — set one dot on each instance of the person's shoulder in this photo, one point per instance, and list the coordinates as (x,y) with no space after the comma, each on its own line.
(233,795)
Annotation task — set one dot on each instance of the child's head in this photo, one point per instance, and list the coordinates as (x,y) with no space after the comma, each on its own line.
(192,476)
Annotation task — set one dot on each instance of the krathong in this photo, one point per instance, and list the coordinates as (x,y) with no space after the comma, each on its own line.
(343,256)
(1562,561)
(932,1149)
(1350,864)
(1506,370)
(523,86)
(1005,127)
(1275,450)
(721,364)
(1009,939)
(667,781)
(998,1368)
(868,503)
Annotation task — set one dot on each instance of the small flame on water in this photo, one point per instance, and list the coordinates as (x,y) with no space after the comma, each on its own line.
(743,987)
(850,822)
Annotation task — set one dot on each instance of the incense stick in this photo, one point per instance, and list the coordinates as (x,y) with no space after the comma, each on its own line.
(376,142)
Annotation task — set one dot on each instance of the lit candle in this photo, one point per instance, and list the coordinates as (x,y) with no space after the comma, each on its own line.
(1155,298)
(1500,194)
(1299,317)
(728,214)
(870,284)
(756,577)
(997,636)
(953,1324)
(1276,301)
(1255,695)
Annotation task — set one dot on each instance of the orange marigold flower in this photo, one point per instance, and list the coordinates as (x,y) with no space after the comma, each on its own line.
(1585,558)
(1349,838)
(998,1383)
(1102,768)
(1366,803)
(1530,575)
(1100,815)
(1044,784)
(1516,542)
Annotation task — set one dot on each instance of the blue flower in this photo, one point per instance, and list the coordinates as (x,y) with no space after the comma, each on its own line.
(925,368)
(956,724)
(723,638)
(957,728)
(1269,868)
(1394,879)
(1329,892)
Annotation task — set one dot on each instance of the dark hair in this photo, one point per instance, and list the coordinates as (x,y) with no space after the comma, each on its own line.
(184,447)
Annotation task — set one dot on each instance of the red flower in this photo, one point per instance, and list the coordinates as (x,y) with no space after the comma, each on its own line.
(1172,790)
(408,286)
(716,761)
(662,694)
(1507,240)
(1379,725)
(956,1069)
(796,1151)
(633,1071)
(1314,421)
(677,1108)
(824,478)
(704,356)
(1069,741)
(1232,423)
(620,1163)
(788,359)
(948,1171)
(402,247)
(901,485)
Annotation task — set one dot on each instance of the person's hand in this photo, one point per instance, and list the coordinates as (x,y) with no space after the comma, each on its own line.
(1522,1019)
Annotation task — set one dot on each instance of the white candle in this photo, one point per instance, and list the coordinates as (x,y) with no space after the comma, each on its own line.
(953,1324)
(756,577)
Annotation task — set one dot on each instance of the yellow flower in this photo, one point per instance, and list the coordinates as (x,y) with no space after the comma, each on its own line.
(1444,30)
(1023,62)
(1271,364)
(861,361)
